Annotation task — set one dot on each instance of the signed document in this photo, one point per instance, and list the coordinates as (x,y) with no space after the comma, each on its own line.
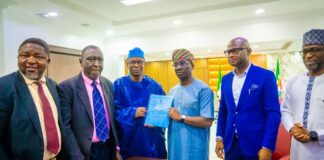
(158,111)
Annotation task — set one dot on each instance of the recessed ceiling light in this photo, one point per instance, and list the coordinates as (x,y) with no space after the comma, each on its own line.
(110,32)
(177,22)
(133,2)
(259,11)
(47,15)
(52,14)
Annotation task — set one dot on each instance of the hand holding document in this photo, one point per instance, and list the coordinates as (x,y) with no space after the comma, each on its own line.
(158,108)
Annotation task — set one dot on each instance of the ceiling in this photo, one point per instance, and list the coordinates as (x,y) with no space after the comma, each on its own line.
(163,18)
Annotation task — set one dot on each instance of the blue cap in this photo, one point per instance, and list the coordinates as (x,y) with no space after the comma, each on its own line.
(314,37)
(136,52)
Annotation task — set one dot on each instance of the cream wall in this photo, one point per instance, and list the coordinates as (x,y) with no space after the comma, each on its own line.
(115,48)
(218,35)
(290,65)
(2,65)
(16,30)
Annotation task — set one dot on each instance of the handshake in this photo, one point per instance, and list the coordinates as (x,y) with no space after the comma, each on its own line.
(301,134)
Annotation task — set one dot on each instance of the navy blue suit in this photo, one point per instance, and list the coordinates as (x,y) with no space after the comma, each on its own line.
(20,130)
(256,116)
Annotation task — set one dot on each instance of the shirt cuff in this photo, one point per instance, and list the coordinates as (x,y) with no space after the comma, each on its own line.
(219,138)
(267,148)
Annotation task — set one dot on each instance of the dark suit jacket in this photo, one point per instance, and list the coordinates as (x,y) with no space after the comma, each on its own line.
(256,116)
(78,119)
(20,130)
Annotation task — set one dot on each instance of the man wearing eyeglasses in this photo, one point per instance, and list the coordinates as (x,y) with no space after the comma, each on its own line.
(192,113)
(87,111)
(131,97)
(303,105)
(249,113)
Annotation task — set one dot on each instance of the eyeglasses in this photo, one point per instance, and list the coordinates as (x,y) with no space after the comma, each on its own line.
(313,51)
(182,64)
(133,63)
(93,59)
(234,51)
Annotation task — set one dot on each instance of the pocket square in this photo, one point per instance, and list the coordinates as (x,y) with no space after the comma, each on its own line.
(254,87)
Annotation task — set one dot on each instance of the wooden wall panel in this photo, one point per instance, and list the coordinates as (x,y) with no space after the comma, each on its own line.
(64,63)
(63,66)
(205,69)
(214,63)
(158,71)
(259,60)
(172,77)
(163,72)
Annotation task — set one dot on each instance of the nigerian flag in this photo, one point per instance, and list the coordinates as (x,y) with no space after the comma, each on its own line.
(219,83)
(278,79)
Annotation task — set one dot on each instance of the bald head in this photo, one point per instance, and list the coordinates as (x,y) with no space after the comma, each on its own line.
(238,42)
(238,52)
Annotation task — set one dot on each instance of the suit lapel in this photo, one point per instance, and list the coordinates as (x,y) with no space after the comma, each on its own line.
(28,102)
(230,93)
(106,89)
(84,97)
(245,90)
(107,95)
(53,90)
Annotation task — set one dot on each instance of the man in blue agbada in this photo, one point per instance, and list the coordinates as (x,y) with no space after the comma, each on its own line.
(131,97)
(192,113)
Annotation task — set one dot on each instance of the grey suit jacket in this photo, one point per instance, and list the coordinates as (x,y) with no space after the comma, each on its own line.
(78,119)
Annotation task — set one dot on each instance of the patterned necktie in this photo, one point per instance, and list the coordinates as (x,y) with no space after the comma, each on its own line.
(99,113)
(307,99)
(50,127)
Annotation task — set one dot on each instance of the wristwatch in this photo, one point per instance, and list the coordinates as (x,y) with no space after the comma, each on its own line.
(313,136)
(183,117)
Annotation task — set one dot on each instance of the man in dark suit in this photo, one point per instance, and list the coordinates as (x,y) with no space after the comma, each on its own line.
(30,125)
(249,114)
(87,111)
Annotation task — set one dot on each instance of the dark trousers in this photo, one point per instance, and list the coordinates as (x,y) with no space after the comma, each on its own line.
(235,152)
(102,151)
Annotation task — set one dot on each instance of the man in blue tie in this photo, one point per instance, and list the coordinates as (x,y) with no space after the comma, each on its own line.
(87,111)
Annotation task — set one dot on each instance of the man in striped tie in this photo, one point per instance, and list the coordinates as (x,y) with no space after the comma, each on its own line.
(87,111)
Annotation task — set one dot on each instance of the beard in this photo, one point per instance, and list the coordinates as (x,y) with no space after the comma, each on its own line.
(33,76)
(313,66)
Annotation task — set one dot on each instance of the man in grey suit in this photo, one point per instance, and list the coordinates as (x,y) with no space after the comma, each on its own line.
(87,111)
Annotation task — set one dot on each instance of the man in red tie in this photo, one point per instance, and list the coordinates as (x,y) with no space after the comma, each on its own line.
(30,125)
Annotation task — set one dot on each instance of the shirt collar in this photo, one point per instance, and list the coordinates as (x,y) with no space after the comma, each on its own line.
(245,72)
(31,81)
(89,81)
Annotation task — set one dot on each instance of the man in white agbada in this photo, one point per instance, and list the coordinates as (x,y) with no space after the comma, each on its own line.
(303,105)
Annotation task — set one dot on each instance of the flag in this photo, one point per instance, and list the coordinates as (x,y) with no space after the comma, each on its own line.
(278,79)
(219,83)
